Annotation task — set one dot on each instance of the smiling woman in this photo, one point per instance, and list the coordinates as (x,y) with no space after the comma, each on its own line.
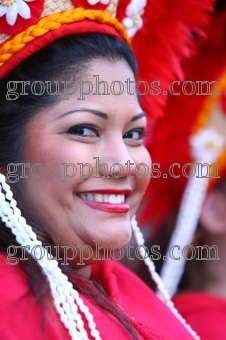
(106,123)
(77,213)
(94,299)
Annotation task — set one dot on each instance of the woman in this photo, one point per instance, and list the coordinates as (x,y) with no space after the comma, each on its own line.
(54,132)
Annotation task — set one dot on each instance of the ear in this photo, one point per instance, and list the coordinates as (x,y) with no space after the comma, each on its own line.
(213,215)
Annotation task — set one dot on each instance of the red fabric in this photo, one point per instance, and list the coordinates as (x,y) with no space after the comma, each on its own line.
(204,312)
(21,318)
(86,5)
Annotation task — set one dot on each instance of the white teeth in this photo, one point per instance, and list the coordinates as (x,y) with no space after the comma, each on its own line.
(90,197)
(98,198)
(105,198)
(118,199)
(114,199)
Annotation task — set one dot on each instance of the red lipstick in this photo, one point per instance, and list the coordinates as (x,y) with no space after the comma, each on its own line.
(108,207)
(108,191)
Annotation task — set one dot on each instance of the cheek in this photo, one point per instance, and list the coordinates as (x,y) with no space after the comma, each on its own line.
(51,176)
(143,168)
(142,177)
(55,159)
(52,150)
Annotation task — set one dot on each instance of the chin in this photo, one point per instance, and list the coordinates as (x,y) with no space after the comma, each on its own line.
(122,238)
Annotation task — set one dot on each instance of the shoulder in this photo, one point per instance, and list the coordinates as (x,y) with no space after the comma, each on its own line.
(21,316)
(140,302)
(13,283)
(205,312)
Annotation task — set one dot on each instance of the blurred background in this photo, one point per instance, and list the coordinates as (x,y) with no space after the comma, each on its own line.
(187,206)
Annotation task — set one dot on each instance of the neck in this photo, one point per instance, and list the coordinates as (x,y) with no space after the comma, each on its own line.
(84,271)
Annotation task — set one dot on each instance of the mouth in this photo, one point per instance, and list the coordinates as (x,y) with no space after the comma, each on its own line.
(106,201)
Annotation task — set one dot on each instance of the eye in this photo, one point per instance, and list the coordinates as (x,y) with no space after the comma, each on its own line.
(84,131)
(135,134)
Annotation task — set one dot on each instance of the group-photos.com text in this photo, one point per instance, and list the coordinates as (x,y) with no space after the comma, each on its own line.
(84,253)
(66,171)
(65,89)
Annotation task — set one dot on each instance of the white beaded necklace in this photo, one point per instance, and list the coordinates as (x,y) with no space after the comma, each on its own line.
(65,298)
(157,279)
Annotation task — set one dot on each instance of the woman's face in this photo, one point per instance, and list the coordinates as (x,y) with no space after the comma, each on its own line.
(80,209)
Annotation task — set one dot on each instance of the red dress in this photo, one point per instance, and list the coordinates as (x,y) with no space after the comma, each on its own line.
(205,313)
(20,316)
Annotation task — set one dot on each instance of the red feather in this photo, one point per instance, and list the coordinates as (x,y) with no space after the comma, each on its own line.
(169,142)
(165,39)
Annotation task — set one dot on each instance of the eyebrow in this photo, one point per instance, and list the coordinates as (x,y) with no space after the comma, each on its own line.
(95,112)
(140,115)
(101,114)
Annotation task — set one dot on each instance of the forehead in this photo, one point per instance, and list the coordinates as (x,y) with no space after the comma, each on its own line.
(111,70)
(112,82)
(107,86)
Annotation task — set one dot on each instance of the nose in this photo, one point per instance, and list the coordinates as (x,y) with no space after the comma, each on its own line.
(116,162)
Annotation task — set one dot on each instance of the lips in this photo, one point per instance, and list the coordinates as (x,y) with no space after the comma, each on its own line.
(106,201)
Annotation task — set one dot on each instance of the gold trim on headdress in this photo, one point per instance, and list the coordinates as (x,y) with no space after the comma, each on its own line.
(57,6)
(55,21)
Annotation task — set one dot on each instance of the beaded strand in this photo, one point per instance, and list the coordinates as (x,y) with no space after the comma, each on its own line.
(157,279)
